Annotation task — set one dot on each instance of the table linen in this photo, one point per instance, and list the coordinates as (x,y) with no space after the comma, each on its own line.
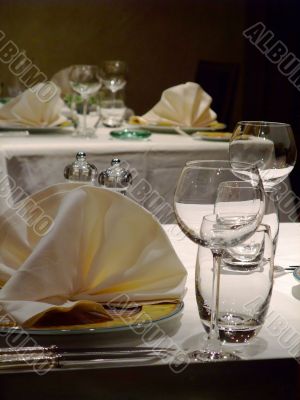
(98,247)
(38,160)
(31,110)
(280,335)
(184,105)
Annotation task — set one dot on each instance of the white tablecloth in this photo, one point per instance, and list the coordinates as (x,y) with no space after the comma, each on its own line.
(185,331)
(36,161)
(285,302)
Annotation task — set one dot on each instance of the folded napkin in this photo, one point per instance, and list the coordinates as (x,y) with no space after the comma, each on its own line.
(28,109)
(62,79)
(100,248)
(184,105)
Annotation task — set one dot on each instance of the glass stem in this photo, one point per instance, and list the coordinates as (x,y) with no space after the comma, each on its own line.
(113,98)
(85,109)
(214,330)
(273,196)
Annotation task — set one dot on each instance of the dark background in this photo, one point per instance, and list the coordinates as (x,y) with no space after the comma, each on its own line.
(164,42)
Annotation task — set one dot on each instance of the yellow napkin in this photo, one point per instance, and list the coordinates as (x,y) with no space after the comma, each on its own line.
(100,248)
(28,109)
(184,105)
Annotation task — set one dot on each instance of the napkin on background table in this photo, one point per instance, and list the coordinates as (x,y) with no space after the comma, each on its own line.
(101,246)
(62,80)
(183,105)
(28,110)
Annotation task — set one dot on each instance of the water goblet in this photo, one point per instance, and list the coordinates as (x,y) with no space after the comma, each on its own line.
(114,73)
(86,81)
(246,281)
(196,194)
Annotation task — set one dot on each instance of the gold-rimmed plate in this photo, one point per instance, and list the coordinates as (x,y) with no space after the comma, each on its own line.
(145,315)
(213,136)
(159,128)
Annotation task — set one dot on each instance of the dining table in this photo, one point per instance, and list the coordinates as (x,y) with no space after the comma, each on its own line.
(268,365)
(38,159)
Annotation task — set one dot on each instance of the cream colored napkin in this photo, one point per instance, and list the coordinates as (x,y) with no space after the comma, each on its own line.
(62,79)
(183,105)
(100,248)
(28,109)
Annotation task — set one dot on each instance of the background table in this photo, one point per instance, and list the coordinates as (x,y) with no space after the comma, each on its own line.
(36,161)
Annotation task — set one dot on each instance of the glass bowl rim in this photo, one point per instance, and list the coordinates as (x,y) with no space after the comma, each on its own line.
(193,164)
(264,123)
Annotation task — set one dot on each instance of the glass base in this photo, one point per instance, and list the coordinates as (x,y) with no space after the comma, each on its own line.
(110,123)
(279,269)
(87,133)
(213,356)
(235,328)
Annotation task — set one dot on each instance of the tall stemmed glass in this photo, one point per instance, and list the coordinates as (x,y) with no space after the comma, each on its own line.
(198,191)
(271,146)
(86,81)
(114,73)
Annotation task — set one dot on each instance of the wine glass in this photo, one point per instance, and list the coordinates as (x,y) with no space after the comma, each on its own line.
(113,73)
(271,146)
(214,218)
(86,81)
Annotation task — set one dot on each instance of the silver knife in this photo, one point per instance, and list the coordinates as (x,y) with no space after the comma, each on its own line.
(53,357)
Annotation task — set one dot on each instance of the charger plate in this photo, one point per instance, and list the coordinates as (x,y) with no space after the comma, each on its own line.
(146,315)
(213,136)
(65,128)
(215,126)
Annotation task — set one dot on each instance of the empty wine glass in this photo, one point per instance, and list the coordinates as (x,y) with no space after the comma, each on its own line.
(114,73)
(199,189)
(86,81)
(271,217)
(271,146)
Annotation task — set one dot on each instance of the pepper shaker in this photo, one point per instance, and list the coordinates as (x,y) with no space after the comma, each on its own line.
(81,170)
(115,177)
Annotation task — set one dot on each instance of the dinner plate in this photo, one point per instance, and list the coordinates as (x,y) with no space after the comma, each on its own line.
(213,136)
(172,129)
(145,315)
(39,130)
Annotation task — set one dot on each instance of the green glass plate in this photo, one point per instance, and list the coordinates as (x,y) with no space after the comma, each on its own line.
(296,273)
(131,134)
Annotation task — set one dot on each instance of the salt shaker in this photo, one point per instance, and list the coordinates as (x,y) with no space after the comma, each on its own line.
(115,177)
(81,170)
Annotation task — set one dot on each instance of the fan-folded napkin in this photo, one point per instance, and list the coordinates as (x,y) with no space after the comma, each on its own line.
(98,247)
(30,109)
(184,105)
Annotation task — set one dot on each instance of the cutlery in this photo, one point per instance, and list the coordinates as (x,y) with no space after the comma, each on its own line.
(53,357)
(291,268)
(181,131)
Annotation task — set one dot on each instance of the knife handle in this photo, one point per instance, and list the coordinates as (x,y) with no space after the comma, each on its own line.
(26,350)
(29,360)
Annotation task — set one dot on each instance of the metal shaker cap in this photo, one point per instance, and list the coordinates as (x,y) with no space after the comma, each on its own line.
(81,170)
(115,177)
